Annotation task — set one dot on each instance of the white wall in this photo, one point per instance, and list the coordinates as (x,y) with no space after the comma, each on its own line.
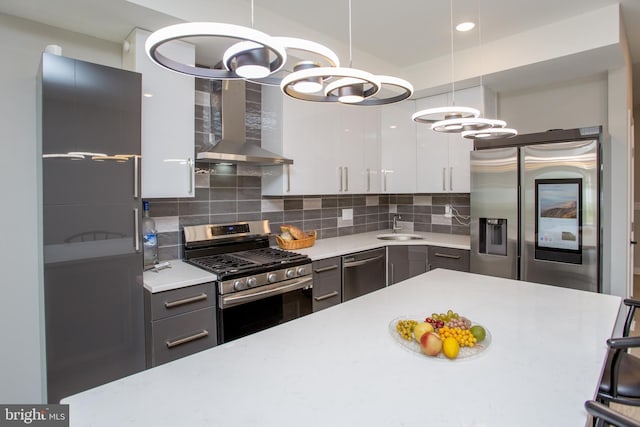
(563,105)
(22,351)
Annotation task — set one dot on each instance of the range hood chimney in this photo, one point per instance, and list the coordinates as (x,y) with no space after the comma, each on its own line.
(233,147)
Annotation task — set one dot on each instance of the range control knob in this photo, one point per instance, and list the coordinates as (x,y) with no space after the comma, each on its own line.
(271,277)
(251,282)
(238,285)
(301,271)
(290,274)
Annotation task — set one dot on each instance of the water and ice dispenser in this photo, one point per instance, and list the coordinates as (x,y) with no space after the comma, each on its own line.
(493,236)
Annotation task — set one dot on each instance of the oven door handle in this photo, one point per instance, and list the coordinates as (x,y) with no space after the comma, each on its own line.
(233,300)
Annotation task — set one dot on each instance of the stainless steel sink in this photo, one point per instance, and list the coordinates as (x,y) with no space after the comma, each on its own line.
(399,236)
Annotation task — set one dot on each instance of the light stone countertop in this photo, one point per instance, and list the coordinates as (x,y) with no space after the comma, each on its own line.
(342,366)
(336,246)
(179,275)
(182,274)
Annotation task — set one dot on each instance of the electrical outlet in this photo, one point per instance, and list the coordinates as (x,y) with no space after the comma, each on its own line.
(447,211)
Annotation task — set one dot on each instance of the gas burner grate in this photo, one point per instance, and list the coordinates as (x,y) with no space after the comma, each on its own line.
(223,263)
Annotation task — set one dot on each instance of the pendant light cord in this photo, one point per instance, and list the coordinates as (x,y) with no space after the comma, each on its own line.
(482,57)
(350,41)
(252,14)
(453,80)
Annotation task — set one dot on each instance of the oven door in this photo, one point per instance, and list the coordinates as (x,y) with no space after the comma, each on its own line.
(252,310)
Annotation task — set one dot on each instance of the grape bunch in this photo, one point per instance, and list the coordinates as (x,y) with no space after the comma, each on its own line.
(438,320)
(461,322)
(405,328)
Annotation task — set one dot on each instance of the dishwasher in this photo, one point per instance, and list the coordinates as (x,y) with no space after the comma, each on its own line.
(363,272)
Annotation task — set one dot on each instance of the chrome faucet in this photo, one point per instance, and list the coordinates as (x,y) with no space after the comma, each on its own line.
(396,227)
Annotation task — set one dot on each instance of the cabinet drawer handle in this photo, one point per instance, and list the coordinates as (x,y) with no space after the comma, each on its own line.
(190,170)
(368,180)
(447,256)
(288,178)
(202,334)
(346,178)
(136,173)
(324,269)
(184,301)
(340,177)
(136,230)
(451,178)
(444,184)
(327,296)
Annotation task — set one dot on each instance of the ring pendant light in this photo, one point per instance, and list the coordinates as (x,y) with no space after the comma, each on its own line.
(466,124)
(353,86)
(255,57)
(249,59)
(452,118)
(492,133)
(364,78)
(499,130)
(210,29)
(321,55)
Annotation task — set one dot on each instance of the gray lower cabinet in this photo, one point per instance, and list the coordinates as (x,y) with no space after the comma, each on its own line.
(327,283)
(179,322)
(404,262)
(449,258)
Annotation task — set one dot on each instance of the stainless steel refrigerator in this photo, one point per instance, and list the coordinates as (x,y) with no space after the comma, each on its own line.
(535,208)
(89,128)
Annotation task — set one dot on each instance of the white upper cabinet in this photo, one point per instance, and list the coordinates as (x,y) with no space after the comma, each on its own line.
(443,158)
(168,107)
(335,148)
(432,151)
(398,148)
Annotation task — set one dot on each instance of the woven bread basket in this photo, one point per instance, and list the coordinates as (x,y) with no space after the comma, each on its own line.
(297,244)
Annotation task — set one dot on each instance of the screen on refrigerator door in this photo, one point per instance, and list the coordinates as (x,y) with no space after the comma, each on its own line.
(559,220)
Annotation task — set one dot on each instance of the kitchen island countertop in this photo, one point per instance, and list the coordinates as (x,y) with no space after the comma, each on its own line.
(342,366)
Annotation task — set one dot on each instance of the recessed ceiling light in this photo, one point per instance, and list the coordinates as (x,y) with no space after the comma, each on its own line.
(465,26)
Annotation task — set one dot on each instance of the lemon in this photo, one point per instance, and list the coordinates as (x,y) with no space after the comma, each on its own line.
(478,332)
(450,347)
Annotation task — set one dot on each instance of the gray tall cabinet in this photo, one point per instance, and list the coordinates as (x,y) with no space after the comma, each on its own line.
(89,128)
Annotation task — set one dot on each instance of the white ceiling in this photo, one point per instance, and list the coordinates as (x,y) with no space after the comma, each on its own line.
(402,32)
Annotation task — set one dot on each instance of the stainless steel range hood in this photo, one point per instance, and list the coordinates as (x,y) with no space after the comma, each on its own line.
(233,147)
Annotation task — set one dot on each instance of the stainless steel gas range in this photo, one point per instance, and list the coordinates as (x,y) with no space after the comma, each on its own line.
(257,286)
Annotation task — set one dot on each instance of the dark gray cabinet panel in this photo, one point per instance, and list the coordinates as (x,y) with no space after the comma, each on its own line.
(179,322)
(449,258)
(363,272)
(183,300)
(327,283)
(89,125)
(405,262)
(182,335)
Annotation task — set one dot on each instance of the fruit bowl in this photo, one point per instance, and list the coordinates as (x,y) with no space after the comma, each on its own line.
(414,347)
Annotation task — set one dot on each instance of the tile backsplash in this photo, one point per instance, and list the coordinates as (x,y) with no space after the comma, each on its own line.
(226,193)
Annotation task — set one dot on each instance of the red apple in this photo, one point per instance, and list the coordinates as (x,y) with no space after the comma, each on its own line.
(431,343)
